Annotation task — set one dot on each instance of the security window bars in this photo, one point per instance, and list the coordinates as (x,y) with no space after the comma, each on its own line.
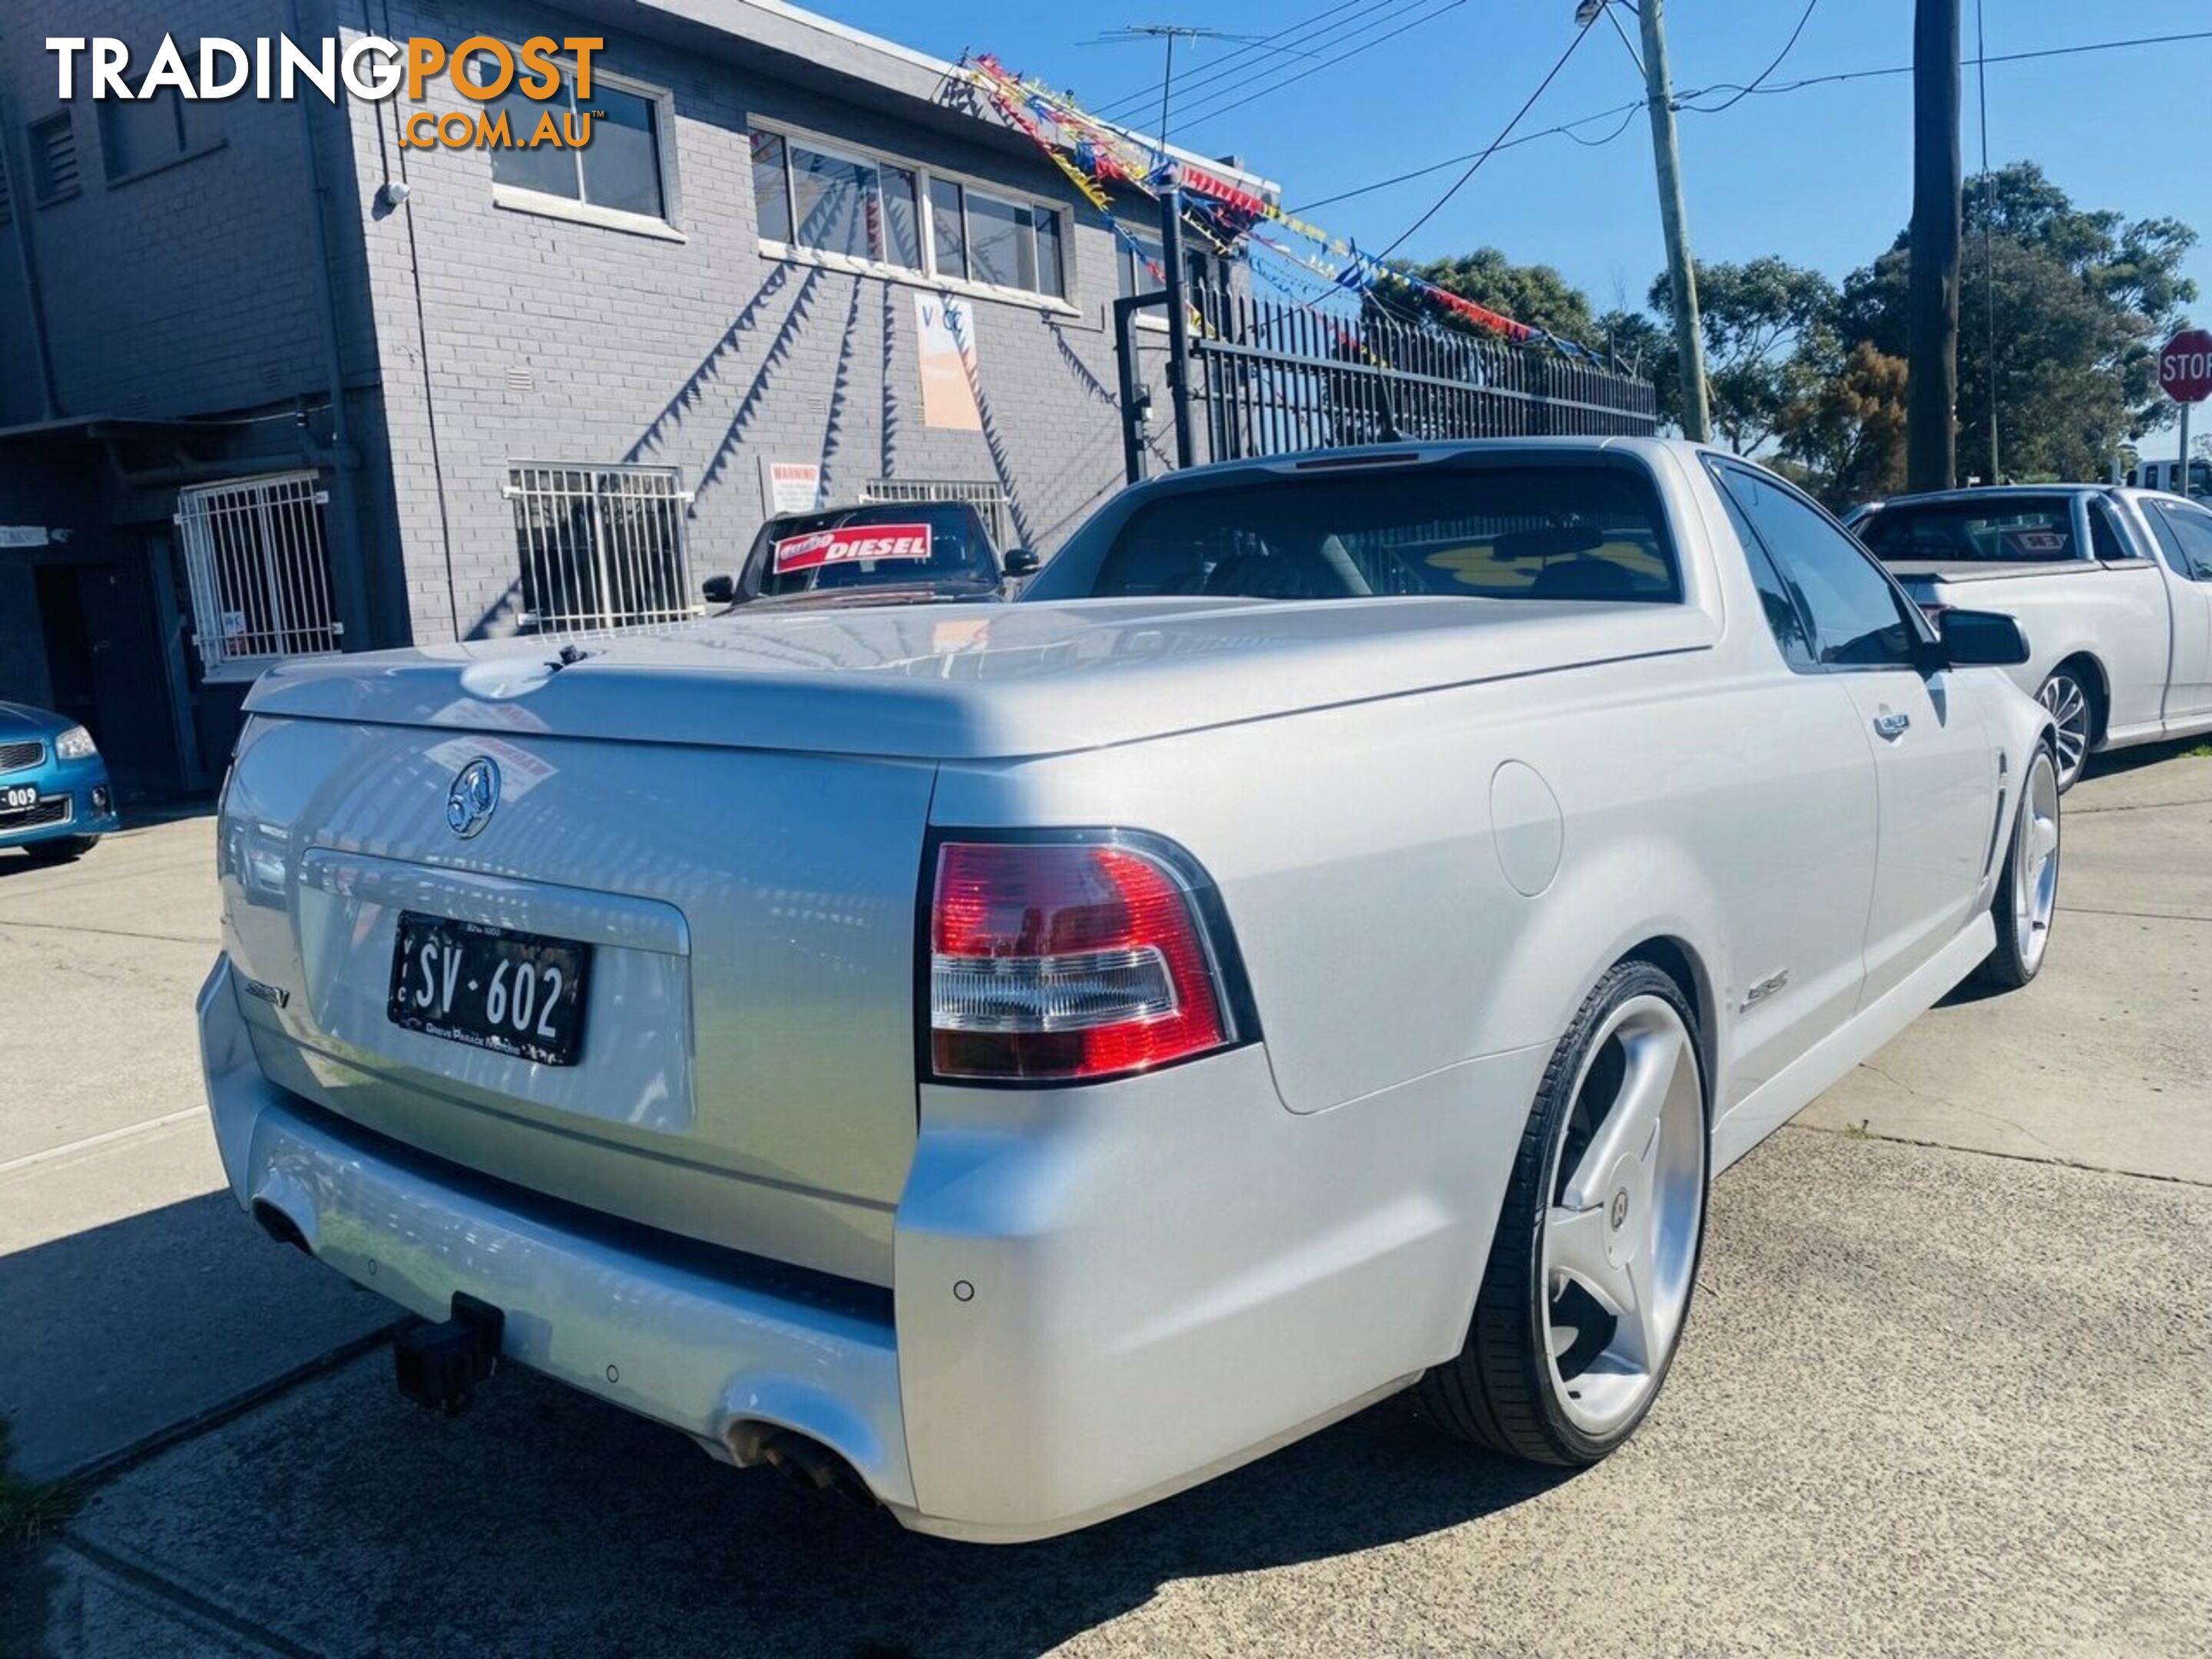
(600,546)
(873,210)
(259,576)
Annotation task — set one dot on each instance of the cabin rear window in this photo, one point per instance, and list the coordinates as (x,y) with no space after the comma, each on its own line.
(2030,532)
(1495,532)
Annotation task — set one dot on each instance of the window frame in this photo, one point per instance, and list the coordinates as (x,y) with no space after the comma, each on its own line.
(107,113)
(1914,619)
(927,176)
(668,226)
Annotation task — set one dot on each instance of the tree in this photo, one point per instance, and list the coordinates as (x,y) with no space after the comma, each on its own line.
(2083,300)
(1850,433)
(1535,295)
(1770,340)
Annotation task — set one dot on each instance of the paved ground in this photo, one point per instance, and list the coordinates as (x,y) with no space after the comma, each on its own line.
(1935,1400)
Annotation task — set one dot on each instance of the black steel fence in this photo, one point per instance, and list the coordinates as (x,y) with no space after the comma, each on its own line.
(1272,377)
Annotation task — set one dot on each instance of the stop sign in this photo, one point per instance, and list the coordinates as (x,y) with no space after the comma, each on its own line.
(2184,367)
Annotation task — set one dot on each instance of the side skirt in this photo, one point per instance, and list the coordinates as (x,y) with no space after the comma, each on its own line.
(1782,1097)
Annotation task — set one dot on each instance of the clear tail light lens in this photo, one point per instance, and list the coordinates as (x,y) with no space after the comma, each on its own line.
(1066,962)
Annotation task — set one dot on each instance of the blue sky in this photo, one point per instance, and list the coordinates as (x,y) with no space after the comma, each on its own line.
(1822,176)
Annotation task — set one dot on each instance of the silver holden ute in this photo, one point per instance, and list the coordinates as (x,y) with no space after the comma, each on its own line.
(1014,1061)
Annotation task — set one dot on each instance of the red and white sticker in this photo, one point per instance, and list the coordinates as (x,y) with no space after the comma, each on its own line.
(856,544)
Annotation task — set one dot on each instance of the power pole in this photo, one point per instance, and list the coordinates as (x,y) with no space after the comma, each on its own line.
(1932,310)
(1681,273)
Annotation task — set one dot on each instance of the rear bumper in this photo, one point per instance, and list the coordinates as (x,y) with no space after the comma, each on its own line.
(1102,1294)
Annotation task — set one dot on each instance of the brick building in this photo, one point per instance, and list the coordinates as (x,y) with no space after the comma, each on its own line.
(271,381)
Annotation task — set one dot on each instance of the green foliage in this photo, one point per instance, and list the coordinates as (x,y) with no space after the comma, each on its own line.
(1535,295)
(1802,371)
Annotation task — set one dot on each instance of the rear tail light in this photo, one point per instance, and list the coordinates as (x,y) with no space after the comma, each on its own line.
(1067,961)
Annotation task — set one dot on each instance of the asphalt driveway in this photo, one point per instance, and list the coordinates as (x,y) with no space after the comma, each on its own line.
(1942,1391)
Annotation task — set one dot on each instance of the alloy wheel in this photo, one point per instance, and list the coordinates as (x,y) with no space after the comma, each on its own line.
(1621,1236)
(2035,863)
(2068,700)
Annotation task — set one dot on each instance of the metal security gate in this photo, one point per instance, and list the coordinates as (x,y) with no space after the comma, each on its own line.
(260,578)
(600,546)
(989,500)
(1268,377)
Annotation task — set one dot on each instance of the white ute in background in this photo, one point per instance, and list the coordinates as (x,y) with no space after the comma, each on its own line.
(1015,1062)
(2112,587)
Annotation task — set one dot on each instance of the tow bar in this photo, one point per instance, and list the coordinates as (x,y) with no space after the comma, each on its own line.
(440,1365)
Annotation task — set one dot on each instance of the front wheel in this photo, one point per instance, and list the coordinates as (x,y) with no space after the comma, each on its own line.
(1590,1271)
(2073,705)
(2027,892)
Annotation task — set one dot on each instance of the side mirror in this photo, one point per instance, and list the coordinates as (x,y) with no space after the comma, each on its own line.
(1020,562)
(1981,639)
(719,589)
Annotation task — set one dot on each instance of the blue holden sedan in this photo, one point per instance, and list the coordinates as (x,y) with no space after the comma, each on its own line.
(55,798)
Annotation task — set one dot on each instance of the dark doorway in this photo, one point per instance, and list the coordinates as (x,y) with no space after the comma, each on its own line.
(104,663)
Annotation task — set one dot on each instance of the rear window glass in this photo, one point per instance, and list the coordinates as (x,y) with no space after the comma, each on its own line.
(918,543)
(1500,532)
(2013,532)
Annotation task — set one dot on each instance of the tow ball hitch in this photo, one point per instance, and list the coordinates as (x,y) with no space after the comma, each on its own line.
(440,1365)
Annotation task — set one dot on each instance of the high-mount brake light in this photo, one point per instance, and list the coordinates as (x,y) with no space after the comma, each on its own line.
(1066,962)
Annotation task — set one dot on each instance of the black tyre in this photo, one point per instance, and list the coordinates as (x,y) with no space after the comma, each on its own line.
(1591,1273)
(62,849)
(2027,900)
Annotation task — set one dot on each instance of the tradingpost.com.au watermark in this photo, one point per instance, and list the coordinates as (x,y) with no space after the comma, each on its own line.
(369,66)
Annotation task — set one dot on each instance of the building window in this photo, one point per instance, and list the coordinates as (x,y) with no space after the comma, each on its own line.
(870,208)
(625,174)
(1139,266)
(600,546)
(140,135)
(53,158)
(260,578)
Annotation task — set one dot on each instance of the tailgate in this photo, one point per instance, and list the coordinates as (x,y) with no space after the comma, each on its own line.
(743,1068)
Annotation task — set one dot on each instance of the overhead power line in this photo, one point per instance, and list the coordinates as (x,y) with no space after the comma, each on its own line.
(1787,46)
(1476,166)
(1570,129)
(1332,62)
(1277,43)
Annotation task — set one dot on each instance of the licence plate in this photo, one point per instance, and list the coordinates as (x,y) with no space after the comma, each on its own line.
(491,987)
(19,798)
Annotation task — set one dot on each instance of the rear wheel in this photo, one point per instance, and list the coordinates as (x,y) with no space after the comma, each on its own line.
(61,848)
(2072,701)
(1590,1272)
(2026,898)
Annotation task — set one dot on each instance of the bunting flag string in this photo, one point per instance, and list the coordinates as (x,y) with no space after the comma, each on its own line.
(1093,153)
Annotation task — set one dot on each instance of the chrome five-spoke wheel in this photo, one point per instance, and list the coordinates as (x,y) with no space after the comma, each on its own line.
(2026,900)
(2073,713)
(1620,1237)
(1591,1268)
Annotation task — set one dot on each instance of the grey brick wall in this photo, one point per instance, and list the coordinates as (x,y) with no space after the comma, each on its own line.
(507,335)
(186,290)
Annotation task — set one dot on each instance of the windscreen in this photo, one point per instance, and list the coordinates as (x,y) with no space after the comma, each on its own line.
(1500,532)
(888,544)
(2015,530)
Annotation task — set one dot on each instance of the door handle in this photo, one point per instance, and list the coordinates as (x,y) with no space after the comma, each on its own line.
(1890,727)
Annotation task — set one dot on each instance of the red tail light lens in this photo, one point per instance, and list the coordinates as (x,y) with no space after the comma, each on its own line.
(1065,962)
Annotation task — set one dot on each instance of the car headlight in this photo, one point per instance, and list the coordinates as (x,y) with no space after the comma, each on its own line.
(76,744)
